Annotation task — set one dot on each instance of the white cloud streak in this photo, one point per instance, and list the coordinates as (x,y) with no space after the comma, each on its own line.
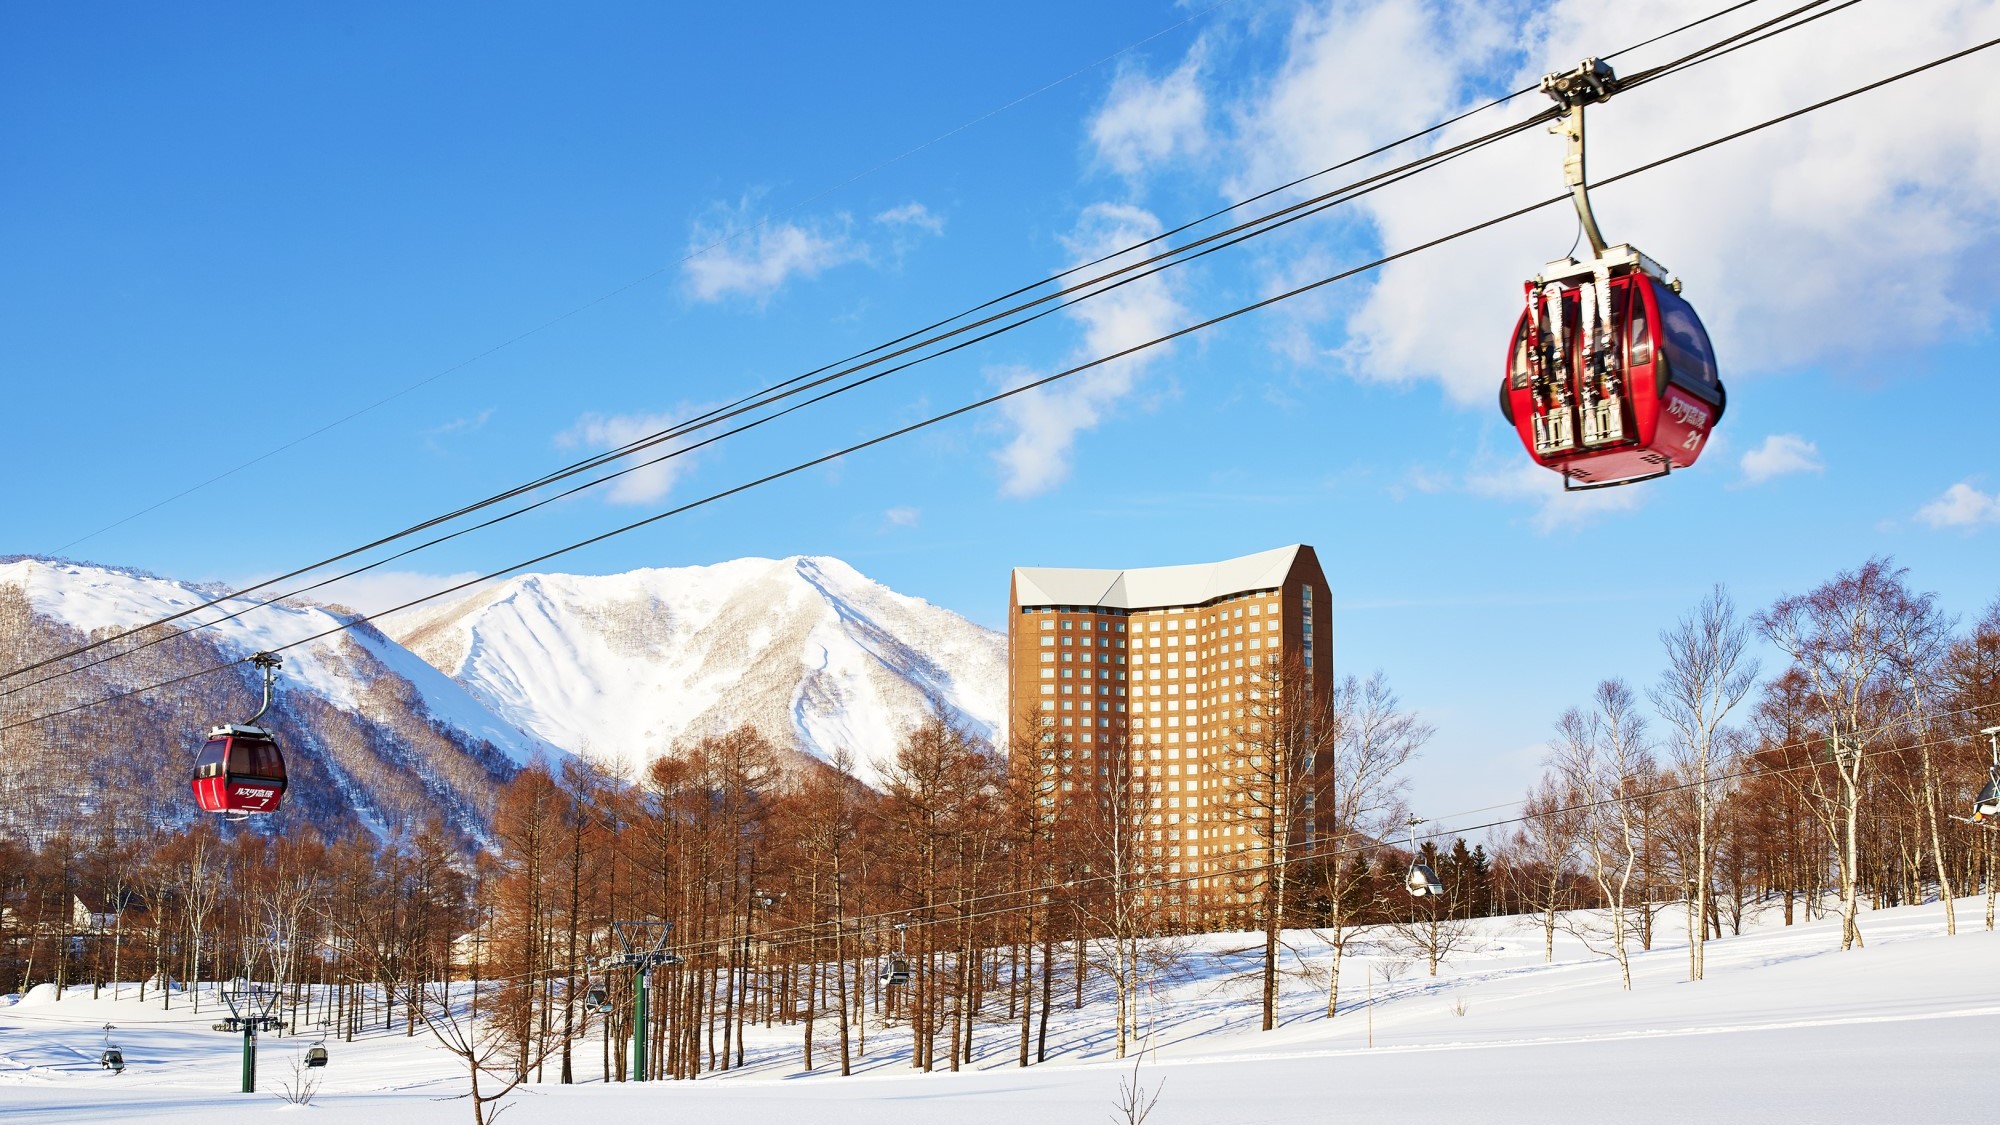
(1047,421)
(1781,455)
(1145,122)
(733,255)
(1865,226)
(915,215)
(605,432)
(1961,506)
(377,591)
(1555,509)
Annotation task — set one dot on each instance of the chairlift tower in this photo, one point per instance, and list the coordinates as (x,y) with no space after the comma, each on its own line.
(645,949)
(251,1010)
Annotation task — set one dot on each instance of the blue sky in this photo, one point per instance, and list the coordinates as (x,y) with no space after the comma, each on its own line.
(227,226)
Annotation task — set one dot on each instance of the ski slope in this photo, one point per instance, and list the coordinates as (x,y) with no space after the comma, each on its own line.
(1785,1028)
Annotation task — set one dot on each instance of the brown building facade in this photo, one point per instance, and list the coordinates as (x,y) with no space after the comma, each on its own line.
(1151,679)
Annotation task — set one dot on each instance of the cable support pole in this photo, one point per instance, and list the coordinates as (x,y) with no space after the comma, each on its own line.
(732,409)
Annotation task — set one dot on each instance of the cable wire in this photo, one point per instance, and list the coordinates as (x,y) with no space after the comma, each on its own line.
(817,377)
(1044,381)
(767,395)
(642,279)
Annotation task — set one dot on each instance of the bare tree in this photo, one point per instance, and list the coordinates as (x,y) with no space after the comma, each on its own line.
(488,1050)
(1708,673)
(1545,847)
(1282,757)
(1360,797)
(1602,757)
(1840,638)
(1919,637)
(1135,1101)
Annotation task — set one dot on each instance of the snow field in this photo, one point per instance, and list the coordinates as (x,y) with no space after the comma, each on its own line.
(1785,1028)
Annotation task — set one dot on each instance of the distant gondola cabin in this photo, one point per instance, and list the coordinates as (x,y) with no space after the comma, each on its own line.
(239,772)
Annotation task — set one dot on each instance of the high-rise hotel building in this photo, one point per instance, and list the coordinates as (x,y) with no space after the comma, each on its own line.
(1159,666)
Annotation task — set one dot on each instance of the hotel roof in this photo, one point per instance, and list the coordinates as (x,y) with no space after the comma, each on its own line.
(1156,586)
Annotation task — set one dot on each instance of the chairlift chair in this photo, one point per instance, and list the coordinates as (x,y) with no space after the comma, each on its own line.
(1421,881)
(112,1059)
(1986,806)
(895,971)
(315,1055)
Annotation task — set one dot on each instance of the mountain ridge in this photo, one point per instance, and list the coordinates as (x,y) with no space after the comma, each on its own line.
(806,649)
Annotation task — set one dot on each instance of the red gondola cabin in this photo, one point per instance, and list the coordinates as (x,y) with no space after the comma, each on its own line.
(1610,376)
(239,772)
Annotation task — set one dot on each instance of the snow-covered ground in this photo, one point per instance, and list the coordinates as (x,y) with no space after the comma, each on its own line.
(1785,1028)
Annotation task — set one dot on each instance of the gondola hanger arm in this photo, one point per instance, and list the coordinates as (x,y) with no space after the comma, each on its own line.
(1593,80)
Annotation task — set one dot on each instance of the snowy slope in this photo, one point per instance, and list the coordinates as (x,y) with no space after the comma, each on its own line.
(374,737)
(90,598)
(1785,1028)
(806,649)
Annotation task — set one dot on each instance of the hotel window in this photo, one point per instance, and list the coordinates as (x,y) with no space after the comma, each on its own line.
(1048,624)
(1069,624)
(1048,642)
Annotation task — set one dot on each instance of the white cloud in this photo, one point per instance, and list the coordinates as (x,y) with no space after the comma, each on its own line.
(732,255)
(605,432)
(1046,421)
(912,214)
(1145,122)
(1525,481)
(1780,455)
(376,591)
(1961,506)
(1866,225)
(473,423)
(901,516)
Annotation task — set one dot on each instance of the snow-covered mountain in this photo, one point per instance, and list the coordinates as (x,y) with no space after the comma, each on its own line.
(806,649)
(372,734)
